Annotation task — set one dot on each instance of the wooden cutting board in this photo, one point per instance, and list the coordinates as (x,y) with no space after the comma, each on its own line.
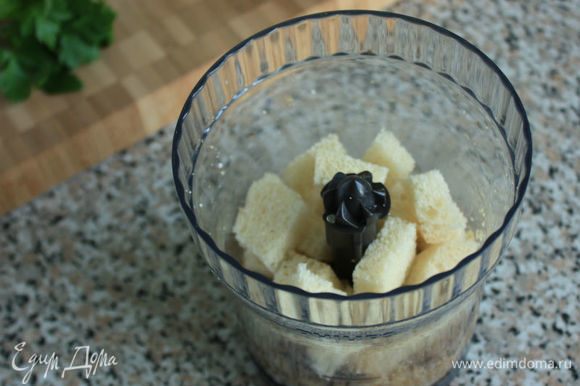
(138,86)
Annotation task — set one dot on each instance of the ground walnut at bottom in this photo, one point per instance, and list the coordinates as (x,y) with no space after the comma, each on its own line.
(416,352)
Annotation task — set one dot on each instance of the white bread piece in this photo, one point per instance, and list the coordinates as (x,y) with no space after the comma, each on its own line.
(402,203)
(469,235)
(439,258)
(326,357)
(314,200)
(311,237)
(253,263)
(265,225)
(421,243)
(327,164)
(299,174)
(438,216)
(386,150)
(308,274)
(386,261)
(347,287)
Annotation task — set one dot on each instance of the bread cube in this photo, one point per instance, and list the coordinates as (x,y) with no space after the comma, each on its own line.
(386,261)
(439,258)
(308,274)
(299,174)
(421,243)
(265,225)
(311,237)
(326,358)
(347,287)
(438,216)
(402,203)
(314,200)
(253,263)
(386,150)
(327,164)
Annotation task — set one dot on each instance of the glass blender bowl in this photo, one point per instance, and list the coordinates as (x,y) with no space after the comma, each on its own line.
(354,73)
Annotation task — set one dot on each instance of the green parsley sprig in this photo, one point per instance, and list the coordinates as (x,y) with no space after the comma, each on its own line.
(43,41)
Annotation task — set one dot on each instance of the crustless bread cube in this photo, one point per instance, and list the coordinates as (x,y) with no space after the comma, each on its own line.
(386,150)
(402,203)
(314,201)
(438,216)
(299,174)
(327,164)
(439,258)
(253,263)
(311,236)
(265,225)
(308,274)
(386,261)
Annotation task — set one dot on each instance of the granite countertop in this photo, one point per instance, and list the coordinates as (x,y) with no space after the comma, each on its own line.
(106,259)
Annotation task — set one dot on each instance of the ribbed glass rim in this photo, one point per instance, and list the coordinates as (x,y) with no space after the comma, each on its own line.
(520,193)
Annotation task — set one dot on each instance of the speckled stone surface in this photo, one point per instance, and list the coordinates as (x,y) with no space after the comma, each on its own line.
(106,258)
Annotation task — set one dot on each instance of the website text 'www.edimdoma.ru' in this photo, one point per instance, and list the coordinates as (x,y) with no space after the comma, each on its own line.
(521,363)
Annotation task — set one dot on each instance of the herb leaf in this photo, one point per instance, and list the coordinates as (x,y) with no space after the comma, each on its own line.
(59,9)
(14,82)
(8,7)
(47,31)
(74,51)
(62,82)
(43,41)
